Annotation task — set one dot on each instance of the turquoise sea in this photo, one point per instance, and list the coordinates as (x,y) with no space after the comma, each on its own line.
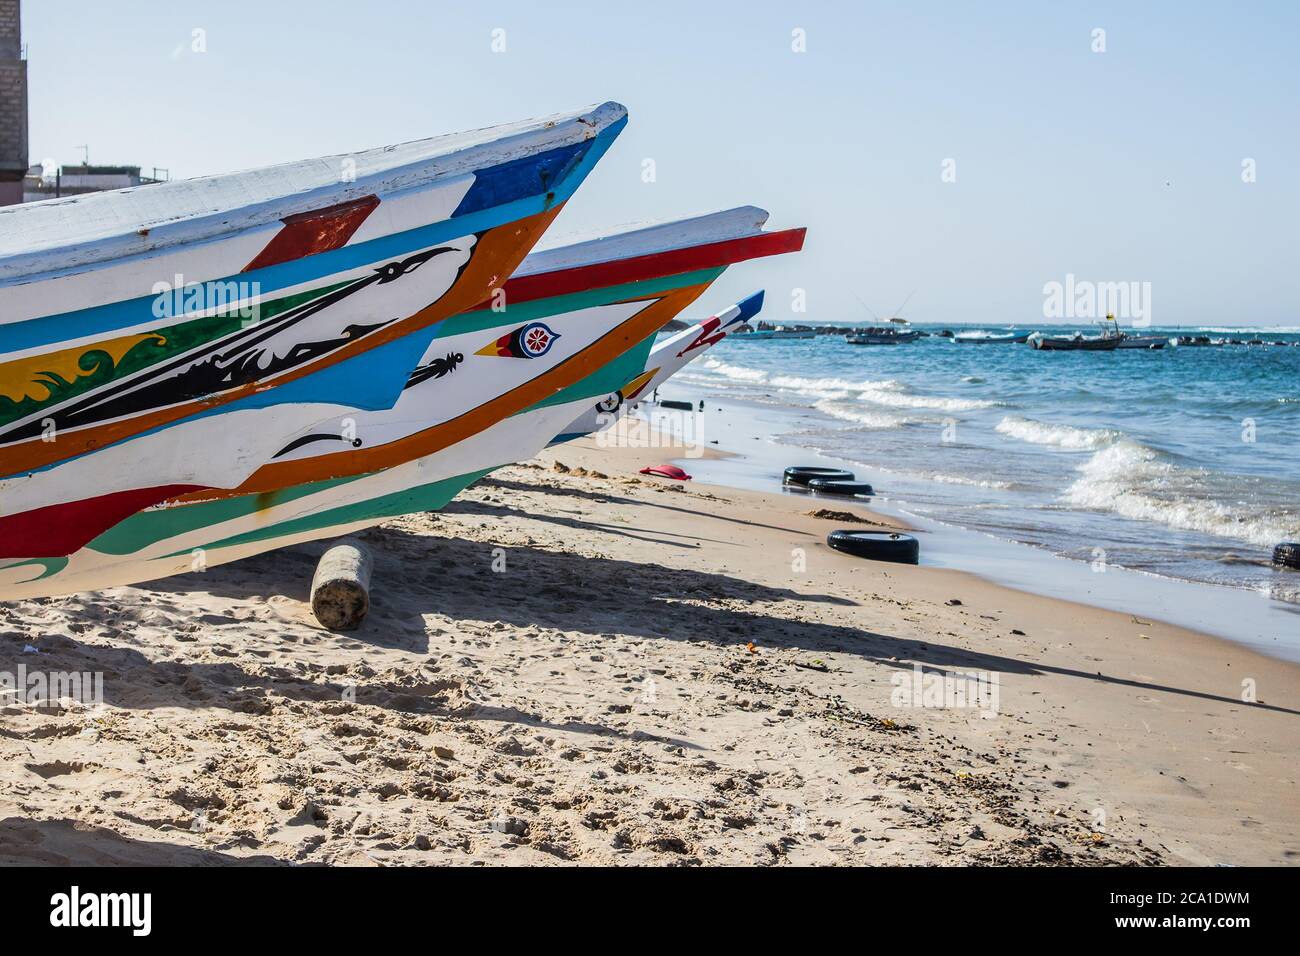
(1182,462)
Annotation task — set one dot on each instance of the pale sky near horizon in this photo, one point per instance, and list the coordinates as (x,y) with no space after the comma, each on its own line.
(1123,165)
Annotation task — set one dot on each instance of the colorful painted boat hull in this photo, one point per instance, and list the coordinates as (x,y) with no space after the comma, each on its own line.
(345,493)
(369,274)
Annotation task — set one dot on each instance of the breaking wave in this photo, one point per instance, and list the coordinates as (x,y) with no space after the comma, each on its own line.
(895,395)
(871,418)
(1134,481)
(1062,436)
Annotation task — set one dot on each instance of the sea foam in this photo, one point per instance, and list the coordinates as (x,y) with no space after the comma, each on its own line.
(1062,436)
(1134,481)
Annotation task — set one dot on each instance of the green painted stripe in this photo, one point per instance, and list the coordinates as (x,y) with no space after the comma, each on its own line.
(49,567)
(430,497)
(149,527)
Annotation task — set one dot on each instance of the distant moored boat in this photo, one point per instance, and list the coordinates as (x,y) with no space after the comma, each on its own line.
(1143,342)
(1107,341)
(776,333)
(1073,343)
(981,337)
(881,337)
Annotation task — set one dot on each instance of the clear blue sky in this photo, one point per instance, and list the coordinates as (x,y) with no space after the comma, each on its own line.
(1123,165)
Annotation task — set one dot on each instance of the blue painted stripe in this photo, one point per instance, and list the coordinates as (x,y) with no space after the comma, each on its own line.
(373,380)
(104,319)
(519,178)
(749,307)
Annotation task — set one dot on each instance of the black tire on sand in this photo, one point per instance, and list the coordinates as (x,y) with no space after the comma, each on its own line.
(876,545)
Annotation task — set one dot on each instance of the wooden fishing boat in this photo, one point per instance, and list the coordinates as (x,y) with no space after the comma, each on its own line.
(666,359)
(486,393)
(1143,341)
(1109,340)
(881,336)
(1074,343)
(133,322)
(778,333)
(991,338)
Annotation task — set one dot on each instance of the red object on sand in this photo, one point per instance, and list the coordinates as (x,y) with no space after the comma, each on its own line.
(666,471)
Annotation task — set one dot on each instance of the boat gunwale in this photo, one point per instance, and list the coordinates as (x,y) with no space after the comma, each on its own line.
(124,238)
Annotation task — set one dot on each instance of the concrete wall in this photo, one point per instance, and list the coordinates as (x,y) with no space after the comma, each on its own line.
(13,95)
(11,41)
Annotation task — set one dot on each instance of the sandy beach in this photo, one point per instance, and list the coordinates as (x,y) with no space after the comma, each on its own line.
(574,664)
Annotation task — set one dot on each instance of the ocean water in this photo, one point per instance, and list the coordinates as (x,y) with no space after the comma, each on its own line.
(1182,462)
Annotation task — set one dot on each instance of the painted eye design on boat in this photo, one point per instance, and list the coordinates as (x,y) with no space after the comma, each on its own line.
(528,342)
(395,270)
(537,340)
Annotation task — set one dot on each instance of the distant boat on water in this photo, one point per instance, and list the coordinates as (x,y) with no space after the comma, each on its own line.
(1074,343)
(878,336)
(883,334)
(1107,341)
(1143,341)
(776,333)
(982,337)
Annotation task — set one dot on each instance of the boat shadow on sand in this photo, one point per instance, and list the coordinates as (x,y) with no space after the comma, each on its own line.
(461,506)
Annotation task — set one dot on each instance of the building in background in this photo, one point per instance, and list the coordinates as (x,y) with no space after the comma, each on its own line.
(75,180)
(13,104)
(20,181)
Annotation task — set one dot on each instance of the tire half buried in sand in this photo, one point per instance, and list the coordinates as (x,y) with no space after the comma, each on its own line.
(829,486)
(876,545)
(801,475)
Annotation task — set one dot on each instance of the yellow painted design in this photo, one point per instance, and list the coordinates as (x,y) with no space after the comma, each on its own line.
(35,378)
(633,388)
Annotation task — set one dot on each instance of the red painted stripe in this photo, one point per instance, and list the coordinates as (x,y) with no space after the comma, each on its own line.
(56,531)
(639,268)
(309,233)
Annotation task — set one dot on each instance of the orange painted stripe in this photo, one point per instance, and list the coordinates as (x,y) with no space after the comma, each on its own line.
(497,254)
